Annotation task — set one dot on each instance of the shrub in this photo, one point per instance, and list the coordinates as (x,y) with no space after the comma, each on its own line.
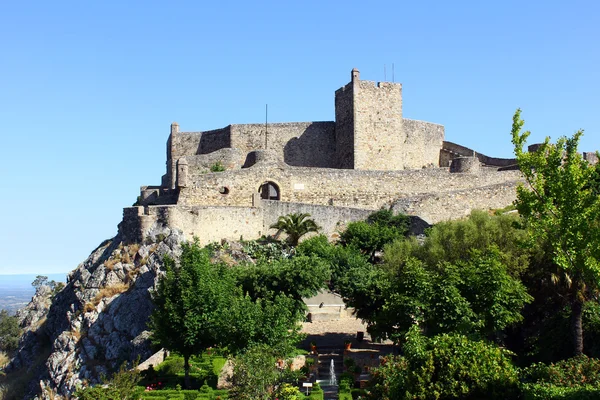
(217,167)
(447,366)
(575,378)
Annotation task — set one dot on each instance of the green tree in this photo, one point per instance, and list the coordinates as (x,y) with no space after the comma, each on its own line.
(474,297)
(191,303)
(256,375)
(296,278)
(39,281)
(372,235)
(10,332)
(561,206)
(274,323)
(295,226)
(447,366)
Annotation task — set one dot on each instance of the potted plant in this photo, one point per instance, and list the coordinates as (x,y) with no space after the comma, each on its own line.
(313,347)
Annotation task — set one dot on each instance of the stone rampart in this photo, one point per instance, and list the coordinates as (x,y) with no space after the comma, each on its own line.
(332,220)
(423,142)
(213,223)
(338,187)
(202,163)
(452,150)
(305,144)
(437,207)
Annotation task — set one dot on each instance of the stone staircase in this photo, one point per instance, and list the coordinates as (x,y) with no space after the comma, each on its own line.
(329,385)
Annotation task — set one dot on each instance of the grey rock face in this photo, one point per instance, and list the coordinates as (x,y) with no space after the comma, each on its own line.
(98,321)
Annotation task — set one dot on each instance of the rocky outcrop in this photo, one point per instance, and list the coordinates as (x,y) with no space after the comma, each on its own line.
(99,320)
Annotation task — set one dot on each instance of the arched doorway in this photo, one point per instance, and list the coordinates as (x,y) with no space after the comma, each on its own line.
(269,191)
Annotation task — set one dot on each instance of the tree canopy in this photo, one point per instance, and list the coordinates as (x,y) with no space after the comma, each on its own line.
(561,206)
(295,226)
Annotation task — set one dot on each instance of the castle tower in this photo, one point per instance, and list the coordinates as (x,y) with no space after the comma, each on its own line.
(369,134)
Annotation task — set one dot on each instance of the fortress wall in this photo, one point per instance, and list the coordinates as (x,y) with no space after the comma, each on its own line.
(346,188)
(214,140)
(332,220)
(229,158)
(452,150)
(208,223)
(434,208)
(306,144)
(213,223)
(423,142)
(379,141)
(344,126)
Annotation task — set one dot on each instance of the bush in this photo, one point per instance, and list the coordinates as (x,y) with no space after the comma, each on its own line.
(447,366)
(575,378)
(543,391)
(217,167)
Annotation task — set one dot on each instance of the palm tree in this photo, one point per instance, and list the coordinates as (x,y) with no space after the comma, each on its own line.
(295,226)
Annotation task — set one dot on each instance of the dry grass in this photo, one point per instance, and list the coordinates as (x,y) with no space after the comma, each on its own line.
(76,335)
(133,249)
(88,307)
(132,275)
(110,291)
(110,263)
(4,359)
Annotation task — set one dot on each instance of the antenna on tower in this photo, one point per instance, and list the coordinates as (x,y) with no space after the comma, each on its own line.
(384,73)
(393,74)
(266,125)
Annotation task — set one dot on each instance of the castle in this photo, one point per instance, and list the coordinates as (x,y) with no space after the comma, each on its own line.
(236,181)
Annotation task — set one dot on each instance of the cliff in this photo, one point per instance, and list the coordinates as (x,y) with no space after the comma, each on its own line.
(97,321)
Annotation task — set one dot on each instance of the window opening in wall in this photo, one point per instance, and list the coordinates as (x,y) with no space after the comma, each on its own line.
(269,191)
(224,190)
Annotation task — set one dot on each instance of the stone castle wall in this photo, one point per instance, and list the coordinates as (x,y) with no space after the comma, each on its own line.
(452,150)
(437,207)
(346,188)
(422,143)
(213,223)
(303,144)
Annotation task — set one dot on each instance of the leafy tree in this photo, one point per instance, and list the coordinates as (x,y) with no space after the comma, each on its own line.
(380,228)
(256,375)
(295,226)
(448,366)
(191,304)
(39,281)
(453,241)
(297,278)
(9,332)
(477,296)
(274,323)
(341,259)
(561,206)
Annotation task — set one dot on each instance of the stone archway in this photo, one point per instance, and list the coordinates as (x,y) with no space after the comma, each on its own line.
(269,191)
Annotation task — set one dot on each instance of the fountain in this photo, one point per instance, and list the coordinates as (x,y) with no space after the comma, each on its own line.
(332,378)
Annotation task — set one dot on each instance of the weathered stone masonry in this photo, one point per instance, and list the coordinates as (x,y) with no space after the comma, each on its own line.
(338,171)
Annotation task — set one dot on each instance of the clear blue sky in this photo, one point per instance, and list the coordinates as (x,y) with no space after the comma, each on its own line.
(88,89)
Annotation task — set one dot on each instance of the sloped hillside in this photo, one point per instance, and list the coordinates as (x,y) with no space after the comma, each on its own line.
(97,321)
